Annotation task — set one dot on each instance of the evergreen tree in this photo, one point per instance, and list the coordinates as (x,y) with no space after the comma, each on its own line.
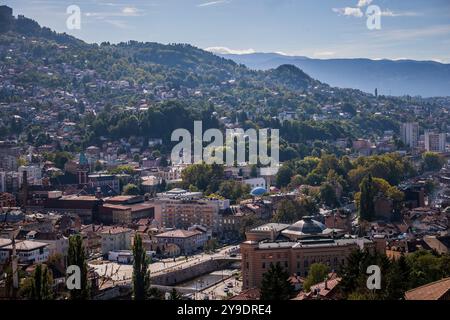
(275,284)
(77,256)
(367,204)
(141,275)
(174,295)
(155,294)
(40,284)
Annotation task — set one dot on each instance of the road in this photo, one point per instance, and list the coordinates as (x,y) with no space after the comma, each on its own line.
(217,292)
(123,272)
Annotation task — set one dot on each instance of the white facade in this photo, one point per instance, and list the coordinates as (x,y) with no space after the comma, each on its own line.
(256,182)
(410,134)
(28,252)
(116,239)
(34,174)
(435,142)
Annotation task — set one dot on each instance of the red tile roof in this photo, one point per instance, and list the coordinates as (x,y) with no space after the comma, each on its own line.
(438,290)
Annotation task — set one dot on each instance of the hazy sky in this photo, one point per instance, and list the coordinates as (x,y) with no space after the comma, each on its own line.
(413,29)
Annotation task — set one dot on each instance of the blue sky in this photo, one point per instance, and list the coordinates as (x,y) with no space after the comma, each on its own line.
(412,29)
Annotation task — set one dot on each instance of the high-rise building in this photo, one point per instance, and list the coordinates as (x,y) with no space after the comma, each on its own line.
(435,142)
(410,134)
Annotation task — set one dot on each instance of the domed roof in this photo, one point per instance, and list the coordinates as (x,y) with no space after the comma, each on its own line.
(307,226)
(258,191)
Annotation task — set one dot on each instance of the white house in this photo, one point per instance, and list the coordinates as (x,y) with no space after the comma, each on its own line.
(28,252)
(255,182)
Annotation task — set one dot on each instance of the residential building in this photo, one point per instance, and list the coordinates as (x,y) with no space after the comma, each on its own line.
(438,290)
(409,133)
(181,209)
(188,241)
(28,252)
(435,142)
(115,238)
(34,175)
(125,209)
(255,182)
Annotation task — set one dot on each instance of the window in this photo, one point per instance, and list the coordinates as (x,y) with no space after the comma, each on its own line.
(263,265)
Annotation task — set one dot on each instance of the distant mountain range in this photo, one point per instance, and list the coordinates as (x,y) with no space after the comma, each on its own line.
(399,77)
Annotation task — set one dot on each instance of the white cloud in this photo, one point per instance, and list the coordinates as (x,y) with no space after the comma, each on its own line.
(125,12)
(129,11)
(349,11)
(225,50)
(389,13)
(363,3)
(324,53)
(212,3)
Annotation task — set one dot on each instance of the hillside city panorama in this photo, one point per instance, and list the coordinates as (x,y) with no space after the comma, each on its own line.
(159,170)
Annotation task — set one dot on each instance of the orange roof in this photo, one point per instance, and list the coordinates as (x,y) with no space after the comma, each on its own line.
(431,291)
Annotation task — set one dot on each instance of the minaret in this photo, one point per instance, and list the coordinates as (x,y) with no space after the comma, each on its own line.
(14,269)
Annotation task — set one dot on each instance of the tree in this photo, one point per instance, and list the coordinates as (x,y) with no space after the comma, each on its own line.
(98,166)
(432,161)
(317,273)
(284,176)
(155,294)
(287,211)
(38,286)
(233,190)
(275,284)
(248,222)
(141,274)
(328,194)
(174,295)
(366,203)
(131,189)
(397,279)
(77,256)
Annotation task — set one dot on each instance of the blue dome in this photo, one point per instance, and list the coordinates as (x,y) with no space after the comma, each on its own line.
(258,191)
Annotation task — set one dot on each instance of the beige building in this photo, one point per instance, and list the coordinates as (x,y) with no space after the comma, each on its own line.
(435,142)
(115,238)
(410,134)
(295,248)
(181,209)
(188,241)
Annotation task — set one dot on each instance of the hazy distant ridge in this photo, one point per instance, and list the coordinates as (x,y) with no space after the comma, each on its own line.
(425,78)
